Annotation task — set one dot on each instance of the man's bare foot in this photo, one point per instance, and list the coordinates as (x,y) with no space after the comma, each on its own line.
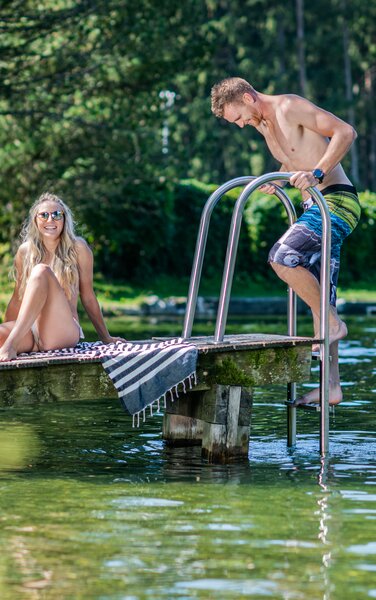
(336,333)
(7,352)
(313,397)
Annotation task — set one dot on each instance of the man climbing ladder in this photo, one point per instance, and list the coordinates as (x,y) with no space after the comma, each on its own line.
(310,142)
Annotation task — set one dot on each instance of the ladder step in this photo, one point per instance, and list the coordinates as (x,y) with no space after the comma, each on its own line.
(316,356)
(314,407)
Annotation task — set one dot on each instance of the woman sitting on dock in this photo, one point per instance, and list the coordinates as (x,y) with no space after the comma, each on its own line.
(52,268)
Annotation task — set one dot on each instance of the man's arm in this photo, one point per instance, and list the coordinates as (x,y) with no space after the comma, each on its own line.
(303,113)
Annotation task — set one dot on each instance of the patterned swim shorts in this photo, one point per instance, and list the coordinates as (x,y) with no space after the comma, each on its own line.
(301,244)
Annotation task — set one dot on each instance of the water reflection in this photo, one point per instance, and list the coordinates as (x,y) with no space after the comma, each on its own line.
(91,508)
(324,522)
(19,446)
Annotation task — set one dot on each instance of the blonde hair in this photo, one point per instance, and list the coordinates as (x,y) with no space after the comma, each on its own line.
(228,91)
(64,263)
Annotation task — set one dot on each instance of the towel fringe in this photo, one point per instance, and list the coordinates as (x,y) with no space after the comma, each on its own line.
(173,391)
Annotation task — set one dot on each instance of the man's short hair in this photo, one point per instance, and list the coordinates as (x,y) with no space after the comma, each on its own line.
(227,91)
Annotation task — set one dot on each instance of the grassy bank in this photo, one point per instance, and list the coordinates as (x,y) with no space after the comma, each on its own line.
(165,287)
(118,295)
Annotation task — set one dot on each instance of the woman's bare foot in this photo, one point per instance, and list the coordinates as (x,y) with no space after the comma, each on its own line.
(313,397)
(7,352)
(336,332)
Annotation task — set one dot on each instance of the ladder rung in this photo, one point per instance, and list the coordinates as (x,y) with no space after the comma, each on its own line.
(316,356)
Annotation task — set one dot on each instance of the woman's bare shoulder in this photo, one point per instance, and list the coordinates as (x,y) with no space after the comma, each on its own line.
(84,253)
(23,250)
(81,245)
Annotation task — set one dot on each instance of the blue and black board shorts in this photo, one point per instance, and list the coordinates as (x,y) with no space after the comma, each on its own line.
(301,244)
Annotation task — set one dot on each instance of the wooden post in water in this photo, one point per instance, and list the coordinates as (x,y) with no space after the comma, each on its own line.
(227,438)
(218,419)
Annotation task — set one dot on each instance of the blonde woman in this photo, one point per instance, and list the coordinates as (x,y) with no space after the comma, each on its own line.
(52,268)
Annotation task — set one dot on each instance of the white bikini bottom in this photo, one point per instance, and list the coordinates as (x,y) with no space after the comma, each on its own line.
(35,332)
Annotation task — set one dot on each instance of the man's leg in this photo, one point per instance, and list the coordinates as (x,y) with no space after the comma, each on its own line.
(335,391)
(308,288)
(44,301)
(305,284)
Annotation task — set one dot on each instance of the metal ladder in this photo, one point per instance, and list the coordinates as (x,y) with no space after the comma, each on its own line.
(251,184)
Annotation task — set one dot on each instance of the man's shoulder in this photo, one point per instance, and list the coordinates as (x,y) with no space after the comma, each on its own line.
(288,102)
(292,107)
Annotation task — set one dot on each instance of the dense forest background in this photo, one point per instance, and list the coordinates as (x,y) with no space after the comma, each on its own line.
(106,102)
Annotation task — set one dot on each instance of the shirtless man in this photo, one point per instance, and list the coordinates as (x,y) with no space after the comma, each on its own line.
(310,142)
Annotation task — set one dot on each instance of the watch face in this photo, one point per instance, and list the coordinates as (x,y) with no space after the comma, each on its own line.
(319,174)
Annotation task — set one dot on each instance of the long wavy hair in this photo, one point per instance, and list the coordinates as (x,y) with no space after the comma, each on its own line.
(64,263)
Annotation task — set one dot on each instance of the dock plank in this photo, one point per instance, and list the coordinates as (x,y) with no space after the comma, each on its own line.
(247,360)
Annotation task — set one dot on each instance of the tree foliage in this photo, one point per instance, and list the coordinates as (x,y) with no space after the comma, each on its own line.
(107,103)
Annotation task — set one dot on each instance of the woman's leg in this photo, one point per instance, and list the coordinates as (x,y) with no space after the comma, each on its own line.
(27,344)
(45,304)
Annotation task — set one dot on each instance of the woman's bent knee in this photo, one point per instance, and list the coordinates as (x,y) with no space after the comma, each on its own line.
(41,270)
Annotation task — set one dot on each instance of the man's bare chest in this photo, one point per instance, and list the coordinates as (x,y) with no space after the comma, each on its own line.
(284,143)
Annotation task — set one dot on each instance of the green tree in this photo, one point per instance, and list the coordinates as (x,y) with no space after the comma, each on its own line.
(84,109)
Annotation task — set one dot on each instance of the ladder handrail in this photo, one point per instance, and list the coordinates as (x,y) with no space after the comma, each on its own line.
(201,245)
(228,273)
(202,237)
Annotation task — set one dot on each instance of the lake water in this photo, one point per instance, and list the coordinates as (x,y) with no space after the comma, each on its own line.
(92,509)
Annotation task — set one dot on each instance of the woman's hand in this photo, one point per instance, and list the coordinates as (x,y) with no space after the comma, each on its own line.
(112,339)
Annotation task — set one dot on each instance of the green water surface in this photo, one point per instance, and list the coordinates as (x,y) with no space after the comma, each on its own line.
(93,509)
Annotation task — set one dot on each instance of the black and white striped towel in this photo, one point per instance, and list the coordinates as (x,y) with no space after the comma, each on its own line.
(143,373)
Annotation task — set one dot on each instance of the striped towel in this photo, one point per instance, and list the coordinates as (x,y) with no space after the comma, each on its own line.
(146,372)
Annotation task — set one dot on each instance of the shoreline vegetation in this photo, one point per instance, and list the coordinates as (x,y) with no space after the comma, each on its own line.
(119,297)
(157,308)
(166,288)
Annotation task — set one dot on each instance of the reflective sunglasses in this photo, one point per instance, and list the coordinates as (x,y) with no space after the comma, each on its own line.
(56,215)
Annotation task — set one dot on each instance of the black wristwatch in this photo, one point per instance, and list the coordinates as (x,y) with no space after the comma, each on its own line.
(318,174)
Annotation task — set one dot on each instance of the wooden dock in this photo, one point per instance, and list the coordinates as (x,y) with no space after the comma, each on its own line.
(216,413)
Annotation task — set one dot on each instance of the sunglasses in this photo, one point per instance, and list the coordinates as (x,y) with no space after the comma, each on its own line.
(56,215)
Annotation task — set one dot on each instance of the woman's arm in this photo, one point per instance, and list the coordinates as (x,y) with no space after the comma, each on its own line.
(14,304)
(87,295)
